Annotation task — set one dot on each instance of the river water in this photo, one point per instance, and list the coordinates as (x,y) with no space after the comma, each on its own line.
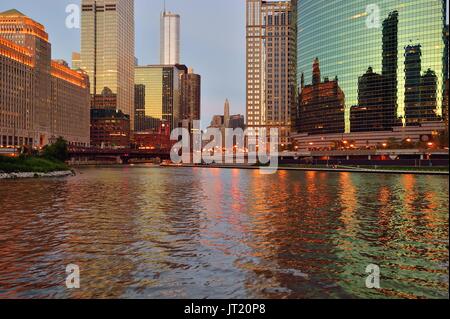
(142,232)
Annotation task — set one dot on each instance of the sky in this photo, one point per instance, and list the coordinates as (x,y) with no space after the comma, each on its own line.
(212,41)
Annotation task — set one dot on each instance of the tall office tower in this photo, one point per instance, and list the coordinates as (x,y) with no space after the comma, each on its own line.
(107,49)
(170,38)
(162,85)
(271,65)
(226,113)
(191,95)
(40,99)
(348,40)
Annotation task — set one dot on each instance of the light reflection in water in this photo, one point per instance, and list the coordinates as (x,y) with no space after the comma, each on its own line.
(211,233)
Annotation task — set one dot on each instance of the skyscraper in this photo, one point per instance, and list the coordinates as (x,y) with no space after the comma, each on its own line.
(107,49)
(347,41)
(271,65)
(170,38)
(161,85)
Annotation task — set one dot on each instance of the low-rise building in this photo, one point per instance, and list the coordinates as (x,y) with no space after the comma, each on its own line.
(110,129)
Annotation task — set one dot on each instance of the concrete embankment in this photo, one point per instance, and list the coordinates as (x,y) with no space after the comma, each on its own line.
(35,175)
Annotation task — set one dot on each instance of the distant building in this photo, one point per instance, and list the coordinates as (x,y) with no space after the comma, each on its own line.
(107,49)
(237,121)
(76,61)
(338,35)
(110,129)
(217,121)
(170,38)
(191,96)
(161,87)
(40,99)
(227,120)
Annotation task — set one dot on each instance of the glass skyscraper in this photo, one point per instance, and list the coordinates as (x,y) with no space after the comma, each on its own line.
(387,58)
(159,95)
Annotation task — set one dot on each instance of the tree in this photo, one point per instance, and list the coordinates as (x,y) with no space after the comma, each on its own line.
(59,150)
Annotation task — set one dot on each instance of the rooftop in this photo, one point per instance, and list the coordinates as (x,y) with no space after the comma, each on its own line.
(12,13)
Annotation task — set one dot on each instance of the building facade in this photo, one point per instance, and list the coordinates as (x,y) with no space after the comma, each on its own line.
(156,139)
(161,86)
(170,38)
(107,49)
(70,98)
(388,58)
(40,99)
(191,96)
(271,65)
(110,129)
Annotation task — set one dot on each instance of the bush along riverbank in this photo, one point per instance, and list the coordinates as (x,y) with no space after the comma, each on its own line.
(50,163)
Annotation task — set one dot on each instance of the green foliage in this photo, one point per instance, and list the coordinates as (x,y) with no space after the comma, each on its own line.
(30,164)
(58,150)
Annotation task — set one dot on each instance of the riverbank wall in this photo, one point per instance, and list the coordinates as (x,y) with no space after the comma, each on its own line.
(328,169)
(35,175)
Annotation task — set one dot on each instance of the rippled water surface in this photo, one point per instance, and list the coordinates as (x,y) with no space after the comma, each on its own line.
(141,232)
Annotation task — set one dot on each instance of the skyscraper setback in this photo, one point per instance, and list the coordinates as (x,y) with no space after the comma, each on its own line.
(170,38)
(271,65)
(107,49)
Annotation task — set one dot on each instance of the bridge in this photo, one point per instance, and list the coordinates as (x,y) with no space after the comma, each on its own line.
(399,157)
(80,155)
